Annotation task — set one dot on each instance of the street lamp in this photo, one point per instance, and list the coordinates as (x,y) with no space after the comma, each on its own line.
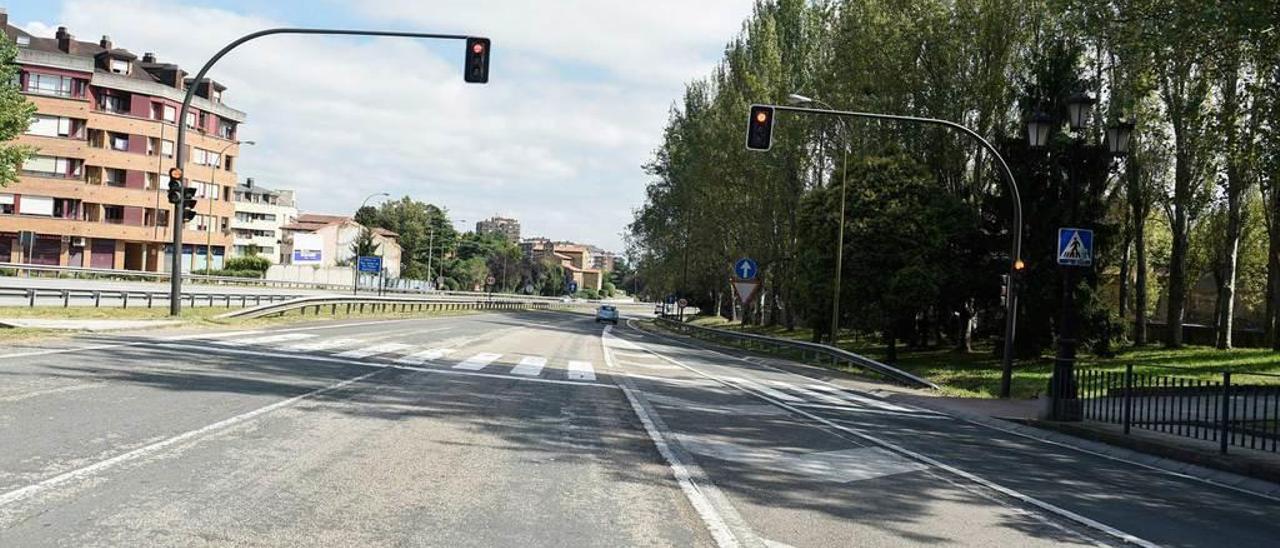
(1038,129)
(213,180)
(797,99)
(1079,107)
(1118,138)
(355,264)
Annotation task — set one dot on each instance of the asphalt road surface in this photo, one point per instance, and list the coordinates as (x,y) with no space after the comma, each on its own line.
(533,429)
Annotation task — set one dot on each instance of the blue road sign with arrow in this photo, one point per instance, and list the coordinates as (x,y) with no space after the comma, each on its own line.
(1075,247)
(746,269)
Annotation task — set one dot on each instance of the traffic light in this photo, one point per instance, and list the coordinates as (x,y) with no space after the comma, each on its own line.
(188,204)
(1004,289)
(760,128)
(476,66)
(175,185)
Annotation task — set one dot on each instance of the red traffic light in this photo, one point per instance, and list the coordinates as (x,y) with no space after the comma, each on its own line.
(477,47)
(475,68)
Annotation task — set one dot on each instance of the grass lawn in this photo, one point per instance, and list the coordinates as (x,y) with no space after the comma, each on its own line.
(977,374)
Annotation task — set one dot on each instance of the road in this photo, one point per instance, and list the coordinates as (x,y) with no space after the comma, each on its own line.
(533,429)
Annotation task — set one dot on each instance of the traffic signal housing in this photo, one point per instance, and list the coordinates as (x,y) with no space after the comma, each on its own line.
(175,185)
(188,204)
(476,65)
(760,128)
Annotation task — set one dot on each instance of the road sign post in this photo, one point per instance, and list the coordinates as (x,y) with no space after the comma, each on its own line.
(1074,251)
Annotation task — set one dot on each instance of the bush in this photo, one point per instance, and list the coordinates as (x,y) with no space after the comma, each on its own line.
(588,294)
(230,273)
(250,263)
(608,289)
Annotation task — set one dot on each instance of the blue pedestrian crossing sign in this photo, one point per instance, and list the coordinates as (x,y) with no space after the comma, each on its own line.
(1075,247)
(746,269)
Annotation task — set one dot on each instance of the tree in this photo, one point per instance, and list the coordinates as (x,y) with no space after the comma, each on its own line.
(15,116)
(365,246)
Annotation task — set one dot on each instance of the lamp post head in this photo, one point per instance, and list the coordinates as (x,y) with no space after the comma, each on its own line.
(246,142)
(1038,128)
(1079,107)
(1118,137)
(797,99)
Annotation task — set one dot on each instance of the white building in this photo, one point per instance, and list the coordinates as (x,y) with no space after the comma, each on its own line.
(260,215)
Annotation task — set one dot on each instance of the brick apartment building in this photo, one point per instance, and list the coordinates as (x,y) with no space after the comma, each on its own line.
(504,226)
(94,192)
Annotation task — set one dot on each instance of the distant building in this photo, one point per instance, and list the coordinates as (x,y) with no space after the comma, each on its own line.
(504,226)
(601,259)
(93,193)
(326,241)
(260,217)
(575,259)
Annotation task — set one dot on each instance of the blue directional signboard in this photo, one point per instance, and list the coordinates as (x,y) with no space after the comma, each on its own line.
(746,269)
(369,264)
(573,286)
(1075,247)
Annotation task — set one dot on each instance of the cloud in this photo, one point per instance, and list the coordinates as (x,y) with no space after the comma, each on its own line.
(577,98)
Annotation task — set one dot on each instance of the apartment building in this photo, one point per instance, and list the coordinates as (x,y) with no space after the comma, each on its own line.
(504,226)
(602,259)
(93,195)
(575,259)
(260,217)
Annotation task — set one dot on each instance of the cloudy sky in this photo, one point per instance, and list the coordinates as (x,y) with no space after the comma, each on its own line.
(579,91)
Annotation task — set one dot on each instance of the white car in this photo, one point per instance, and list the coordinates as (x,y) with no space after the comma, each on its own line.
(607,313)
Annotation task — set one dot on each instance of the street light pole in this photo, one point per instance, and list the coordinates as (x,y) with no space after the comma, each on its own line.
(795,99)
(355,265)
(213,180)
(175,276)
(1015,254)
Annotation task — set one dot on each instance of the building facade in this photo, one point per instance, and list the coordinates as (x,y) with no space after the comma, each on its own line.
(94,193)
(327,241)
(601,259)
(260,217)
(504,226)
(575,259)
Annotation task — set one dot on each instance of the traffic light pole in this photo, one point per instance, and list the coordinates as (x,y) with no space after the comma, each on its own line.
(175,275)
(1015,255)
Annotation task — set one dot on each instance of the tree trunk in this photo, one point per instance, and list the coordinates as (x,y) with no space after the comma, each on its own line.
(1177,280)
(891,344)
(1124,275)
(1140,281)
(1272,322)
(1234,191)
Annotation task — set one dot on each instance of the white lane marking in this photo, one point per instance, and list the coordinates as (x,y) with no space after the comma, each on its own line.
(689,476)
(272,338)
(384,348)
(48,391)
(1058,511)
(813,394)
(425,356)
(324,344)
(529,366)
(477,362)
(762,388)
(581,371)
(216,335)
(36,488)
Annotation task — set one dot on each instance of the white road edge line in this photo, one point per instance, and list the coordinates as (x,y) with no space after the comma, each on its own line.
(36,488)
(1061,512)
(716,525)
(1151,467)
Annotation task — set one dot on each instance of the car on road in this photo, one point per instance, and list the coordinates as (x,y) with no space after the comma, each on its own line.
(607,313)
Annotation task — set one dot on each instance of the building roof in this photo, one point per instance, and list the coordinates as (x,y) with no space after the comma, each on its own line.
(386,233)
(78,48)
(311,222)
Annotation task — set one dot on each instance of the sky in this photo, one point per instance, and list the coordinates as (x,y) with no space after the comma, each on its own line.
(578,94)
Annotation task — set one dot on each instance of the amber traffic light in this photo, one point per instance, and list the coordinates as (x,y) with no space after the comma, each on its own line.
(760,128)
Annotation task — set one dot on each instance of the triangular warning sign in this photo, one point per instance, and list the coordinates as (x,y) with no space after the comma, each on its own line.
(746,289)
(1075,251)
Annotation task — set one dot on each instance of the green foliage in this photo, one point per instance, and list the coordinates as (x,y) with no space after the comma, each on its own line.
(15,116)
(230,272)
(249,263)
(365,246)
(607,289)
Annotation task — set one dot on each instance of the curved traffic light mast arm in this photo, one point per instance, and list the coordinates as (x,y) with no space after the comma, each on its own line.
(1015,255)
(175,277)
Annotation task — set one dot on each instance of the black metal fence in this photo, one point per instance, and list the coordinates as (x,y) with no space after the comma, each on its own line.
(1228,410)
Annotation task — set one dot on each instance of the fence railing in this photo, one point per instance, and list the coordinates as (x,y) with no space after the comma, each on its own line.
(804,349)
(354,304)
(1226,410)
(125,298)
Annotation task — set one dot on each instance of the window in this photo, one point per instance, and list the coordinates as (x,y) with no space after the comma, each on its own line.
(217,96)
(49,126)
(166,113)
(49,84)
(119,66)
(118,141)
(113,214)
(162,217)
(111,103)
(48,166)
(166,149)
(153,179)
(113,177)
(226,129)
(205,190)
(191,119)
(6,204)
(37,205)
(228,163)
(24,40)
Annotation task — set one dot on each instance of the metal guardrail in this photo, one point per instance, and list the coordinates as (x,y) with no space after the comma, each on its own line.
(837,355)
(354,304)
(123,297)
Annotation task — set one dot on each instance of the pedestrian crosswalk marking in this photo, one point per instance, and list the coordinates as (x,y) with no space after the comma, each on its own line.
(323,344)
(813,394)
(272,338)
(581,371)
(862,400)
(478,361)
(384,348)
(777,394)
(530,366)
(425,356)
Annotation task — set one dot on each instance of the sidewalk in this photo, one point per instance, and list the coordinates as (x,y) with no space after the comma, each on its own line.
(85,325)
